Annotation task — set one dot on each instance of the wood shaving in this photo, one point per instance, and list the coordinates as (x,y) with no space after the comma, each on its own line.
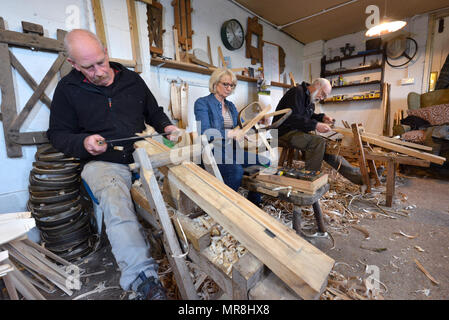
(405,235)
(420,267)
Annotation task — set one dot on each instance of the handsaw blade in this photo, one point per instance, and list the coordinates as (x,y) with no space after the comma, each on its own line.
(133,138)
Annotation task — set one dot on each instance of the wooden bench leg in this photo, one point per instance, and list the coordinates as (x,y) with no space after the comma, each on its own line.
(391,177)
(245,274)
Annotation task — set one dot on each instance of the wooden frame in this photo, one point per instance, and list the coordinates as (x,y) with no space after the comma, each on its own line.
(155,30)
(256,29)
(136,61)
(183,23)
(12,121)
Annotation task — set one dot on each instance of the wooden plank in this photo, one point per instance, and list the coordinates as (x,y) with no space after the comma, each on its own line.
(46,252)
(197,235)
(29,27)
(308,187)
(39,267)
(133,29)
(6,217)
(223,61)
(8,104)
(124,62)
(361,157)
(175,35)
(32,41)
(20,119)
(411,152)
(99,24)
(209,52)
(395,147)
(246,272)
(183,23)
(12,292)
(66,67)
(25,288)
(171,244)
(398,159)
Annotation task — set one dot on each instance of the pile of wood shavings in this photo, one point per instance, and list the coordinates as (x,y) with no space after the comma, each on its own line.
(224,249)
(341,287)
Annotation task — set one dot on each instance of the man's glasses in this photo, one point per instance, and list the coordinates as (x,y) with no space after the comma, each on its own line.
(228,85)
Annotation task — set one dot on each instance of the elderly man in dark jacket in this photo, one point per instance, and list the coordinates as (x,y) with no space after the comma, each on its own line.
(294,131)
(99,100)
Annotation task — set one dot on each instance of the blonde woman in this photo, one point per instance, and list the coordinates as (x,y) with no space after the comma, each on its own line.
(217,117)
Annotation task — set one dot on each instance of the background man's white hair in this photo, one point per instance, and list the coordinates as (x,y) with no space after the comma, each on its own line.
(321,83)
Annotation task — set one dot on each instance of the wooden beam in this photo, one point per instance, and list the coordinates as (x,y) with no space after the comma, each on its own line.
(30,40)
(66,67)
(246,272)
(8,104)
(391,177)
(361,156)
(223,61)
(209,52)
(395,147)
(125,62)
(133,29)
(99,24)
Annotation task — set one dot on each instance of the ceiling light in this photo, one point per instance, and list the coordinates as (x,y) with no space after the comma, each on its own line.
(385,27)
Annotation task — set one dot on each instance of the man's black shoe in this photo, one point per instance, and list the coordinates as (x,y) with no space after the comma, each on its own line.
(150,289)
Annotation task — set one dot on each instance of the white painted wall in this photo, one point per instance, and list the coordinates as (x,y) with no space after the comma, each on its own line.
(369,113)
(207,19)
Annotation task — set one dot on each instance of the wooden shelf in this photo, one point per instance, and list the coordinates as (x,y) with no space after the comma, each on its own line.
(280,84)
(357,100)
(171,64)
(357,84)
(338,59)
(334,73)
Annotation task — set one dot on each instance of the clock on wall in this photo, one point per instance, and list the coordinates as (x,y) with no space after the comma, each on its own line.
(232,34)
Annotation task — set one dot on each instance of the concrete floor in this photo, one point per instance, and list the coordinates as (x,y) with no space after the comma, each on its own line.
(429,222)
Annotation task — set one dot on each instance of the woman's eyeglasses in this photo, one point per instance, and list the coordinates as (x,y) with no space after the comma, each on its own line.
(228,85)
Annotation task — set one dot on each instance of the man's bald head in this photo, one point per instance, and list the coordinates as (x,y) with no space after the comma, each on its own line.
(88,55)
(79,39)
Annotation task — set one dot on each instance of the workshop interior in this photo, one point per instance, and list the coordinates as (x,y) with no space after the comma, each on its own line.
(224,150)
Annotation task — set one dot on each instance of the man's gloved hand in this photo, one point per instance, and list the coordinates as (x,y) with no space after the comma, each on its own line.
(174,132)
(91,144)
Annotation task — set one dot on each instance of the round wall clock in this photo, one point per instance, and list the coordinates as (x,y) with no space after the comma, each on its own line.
(232,34)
